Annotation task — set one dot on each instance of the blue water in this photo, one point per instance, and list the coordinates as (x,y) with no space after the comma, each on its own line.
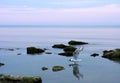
(91,69)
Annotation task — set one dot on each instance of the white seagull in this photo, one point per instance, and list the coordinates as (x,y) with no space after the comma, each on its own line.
(76,55)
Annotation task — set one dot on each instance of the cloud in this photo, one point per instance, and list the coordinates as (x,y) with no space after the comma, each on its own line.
(81,2)
(109,14)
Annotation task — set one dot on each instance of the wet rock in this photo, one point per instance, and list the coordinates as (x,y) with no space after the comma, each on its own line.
(61,46)
(94,54)
(68,54)
(73,42)
(44,68)
(19,79)
(57,68)
(112,54)
(1,64)
(48,52)
(69,49)
(34,50)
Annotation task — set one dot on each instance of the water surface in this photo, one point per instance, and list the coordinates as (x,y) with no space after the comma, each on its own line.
(90,69)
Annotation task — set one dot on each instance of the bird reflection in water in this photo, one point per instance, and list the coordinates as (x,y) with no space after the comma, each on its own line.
(76,71)
(75,64)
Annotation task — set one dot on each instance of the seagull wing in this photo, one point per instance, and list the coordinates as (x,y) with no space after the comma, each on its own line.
(76,53)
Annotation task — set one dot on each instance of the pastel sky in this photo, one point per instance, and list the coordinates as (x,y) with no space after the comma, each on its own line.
(60,12)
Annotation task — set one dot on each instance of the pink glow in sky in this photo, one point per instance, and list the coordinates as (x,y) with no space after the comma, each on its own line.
(109,14)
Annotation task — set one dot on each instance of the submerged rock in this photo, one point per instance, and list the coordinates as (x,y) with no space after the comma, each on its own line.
(73,42)
(17,48)
(7,49)
(94,54)
(19,79)
(34,50)
(10,49)
(112,54)
(59,46)
(19,53)
(57,68)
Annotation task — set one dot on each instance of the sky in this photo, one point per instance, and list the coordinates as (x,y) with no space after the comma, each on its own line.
(59,12)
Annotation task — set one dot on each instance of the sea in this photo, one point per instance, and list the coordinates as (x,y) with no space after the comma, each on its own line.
(15,40)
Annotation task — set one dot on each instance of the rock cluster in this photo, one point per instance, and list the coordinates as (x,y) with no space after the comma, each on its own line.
(54,68)
(68,50)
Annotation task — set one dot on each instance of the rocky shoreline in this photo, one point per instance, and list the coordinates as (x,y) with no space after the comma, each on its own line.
(19,79)
(112,54)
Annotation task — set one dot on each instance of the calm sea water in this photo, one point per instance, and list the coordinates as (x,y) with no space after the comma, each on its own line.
(89,70)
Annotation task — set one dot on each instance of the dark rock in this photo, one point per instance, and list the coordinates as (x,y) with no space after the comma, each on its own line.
(112,54)
(69,49)
(61,46)
(44,68)
(72,42)
(34,50)
(32,80)
(57,68)
(1,64)
(19,79)
(48,52)
(68,54)
(94,55)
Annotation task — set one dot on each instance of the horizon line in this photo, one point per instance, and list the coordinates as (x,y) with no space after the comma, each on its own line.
(37,25)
